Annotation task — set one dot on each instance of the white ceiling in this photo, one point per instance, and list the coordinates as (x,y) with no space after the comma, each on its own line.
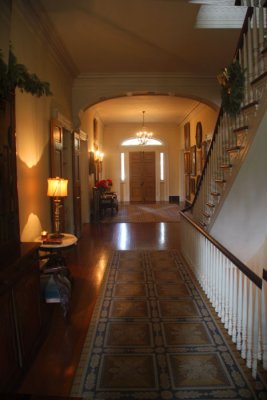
(131,36)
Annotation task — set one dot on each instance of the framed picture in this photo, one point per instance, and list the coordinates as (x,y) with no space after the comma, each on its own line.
(91,162)
(193,160)
(187,187)
(192,185)
(199,161)
(204,153)
(187,162)
(187,136)
(199,135)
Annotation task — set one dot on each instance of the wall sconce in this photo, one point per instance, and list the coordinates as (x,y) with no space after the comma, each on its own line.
(99,156)
(57,188)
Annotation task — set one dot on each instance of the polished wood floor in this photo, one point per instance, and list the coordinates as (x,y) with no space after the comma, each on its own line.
(53,369)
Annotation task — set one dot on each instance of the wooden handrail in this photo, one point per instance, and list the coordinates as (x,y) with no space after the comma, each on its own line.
(242,267)
(264,274)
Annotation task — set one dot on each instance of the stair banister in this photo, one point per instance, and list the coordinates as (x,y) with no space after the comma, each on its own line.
(233,289)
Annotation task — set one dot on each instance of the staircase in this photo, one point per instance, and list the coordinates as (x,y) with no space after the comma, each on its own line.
(233,135)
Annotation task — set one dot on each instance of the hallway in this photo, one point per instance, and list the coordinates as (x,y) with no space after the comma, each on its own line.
(54,367)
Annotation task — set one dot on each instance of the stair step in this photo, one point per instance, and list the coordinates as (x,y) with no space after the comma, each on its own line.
(203,224)
(226,166)
(233,149)
(211,205)
(249,105)
(215,194)
(241,128)
(207,215)
(220,180)
(262,76)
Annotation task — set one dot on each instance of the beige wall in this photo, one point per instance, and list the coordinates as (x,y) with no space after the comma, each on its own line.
(33,122)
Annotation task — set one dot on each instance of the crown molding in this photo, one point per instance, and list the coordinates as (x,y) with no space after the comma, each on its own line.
(35,14)
(145,75)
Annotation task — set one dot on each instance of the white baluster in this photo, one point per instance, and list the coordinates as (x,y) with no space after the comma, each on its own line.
(250,325)
(226,316)
(223,286)
(255,330)
(255,42)
(244,318)
(245,66)
(239,311)
(230,302)
(250,61)
(234,304)
(264,323)
(261,40)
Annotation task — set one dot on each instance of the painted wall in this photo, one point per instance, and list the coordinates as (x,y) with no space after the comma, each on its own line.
(89,89)
(241,225)
(33,121)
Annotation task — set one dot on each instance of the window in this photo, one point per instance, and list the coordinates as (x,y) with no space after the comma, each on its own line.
(161,163)
(135,142)
(122,167)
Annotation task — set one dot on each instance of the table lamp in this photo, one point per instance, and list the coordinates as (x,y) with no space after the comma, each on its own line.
(57,188)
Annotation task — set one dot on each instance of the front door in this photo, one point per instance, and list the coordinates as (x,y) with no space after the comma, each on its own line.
(142,177)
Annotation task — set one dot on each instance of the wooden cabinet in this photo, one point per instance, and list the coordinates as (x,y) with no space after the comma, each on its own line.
(19,314)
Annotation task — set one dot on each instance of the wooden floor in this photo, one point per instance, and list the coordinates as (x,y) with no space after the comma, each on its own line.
(52,371)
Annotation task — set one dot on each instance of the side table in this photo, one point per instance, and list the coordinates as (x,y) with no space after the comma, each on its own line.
(56,280)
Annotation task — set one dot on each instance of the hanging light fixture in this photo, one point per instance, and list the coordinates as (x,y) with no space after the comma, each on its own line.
(144,135)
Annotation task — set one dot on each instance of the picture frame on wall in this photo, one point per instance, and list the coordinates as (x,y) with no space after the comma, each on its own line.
(199,162)
(192,186)
(187,187)
(187,136)
(187,163)
(193,160)
(204,153)
(198,135)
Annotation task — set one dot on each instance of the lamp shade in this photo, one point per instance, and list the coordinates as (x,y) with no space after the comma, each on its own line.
(57,187)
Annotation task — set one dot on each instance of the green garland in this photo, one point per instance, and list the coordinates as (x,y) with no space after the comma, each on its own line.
(232,81)
(14,75)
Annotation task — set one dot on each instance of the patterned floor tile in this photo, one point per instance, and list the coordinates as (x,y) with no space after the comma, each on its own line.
(129,309)
(167,276)
(178,308)
(128,371)
(198,370)
(130,276)
(186,334)
(127,334)
(172,290)
(129,290)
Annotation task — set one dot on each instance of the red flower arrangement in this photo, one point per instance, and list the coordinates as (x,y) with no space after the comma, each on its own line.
(104,184)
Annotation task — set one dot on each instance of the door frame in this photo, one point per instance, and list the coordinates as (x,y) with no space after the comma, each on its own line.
(161,187)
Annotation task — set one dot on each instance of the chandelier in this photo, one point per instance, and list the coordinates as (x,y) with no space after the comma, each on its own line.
(143,136)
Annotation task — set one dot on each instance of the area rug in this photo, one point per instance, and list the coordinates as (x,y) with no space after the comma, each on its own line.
(156,212)
(153,337)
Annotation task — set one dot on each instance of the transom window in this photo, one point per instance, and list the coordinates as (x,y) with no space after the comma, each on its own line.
(135,142)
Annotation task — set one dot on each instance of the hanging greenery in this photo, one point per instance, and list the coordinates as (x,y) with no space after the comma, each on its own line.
(232,81)
(14,75)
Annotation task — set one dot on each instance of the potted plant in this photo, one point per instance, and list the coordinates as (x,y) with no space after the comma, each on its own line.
(13,75)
